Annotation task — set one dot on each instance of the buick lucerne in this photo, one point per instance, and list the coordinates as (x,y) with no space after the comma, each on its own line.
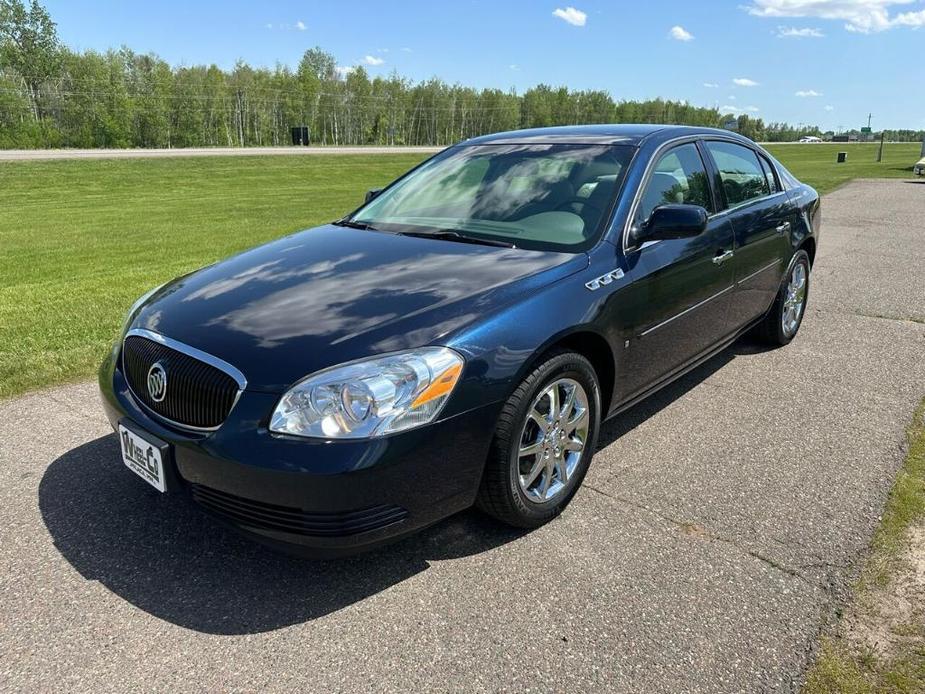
(459,338)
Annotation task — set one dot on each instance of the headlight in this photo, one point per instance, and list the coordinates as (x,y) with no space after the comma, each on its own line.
(371,397)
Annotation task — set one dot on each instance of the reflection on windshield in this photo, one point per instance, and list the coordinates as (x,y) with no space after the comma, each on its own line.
(549,197)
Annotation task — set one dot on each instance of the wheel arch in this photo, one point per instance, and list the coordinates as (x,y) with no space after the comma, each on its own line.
(592,346)
(809,245)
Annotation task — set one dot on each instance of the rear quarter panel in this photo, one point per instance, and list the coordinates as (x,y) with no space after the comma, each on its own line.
(808,215)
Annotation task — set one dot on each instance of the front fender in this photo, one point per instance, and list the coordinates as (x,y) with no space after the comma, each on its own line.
(502,348)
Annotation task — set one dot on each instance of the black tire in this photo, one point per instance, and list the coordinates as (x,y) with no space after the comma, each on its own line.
(500,494)
(771,330)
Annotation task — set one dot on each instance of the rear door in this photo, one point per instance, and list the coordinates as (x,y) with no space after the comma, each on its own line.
(677,303)
(760,214)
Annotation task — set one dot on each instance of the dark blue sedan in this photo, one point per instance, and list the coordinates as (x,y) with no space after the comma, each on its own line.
(459,338)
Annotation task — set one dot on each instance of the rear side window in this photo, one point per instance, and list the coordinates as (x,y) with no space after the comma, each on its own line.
(769,175)
(787,179)
(679,177)
(740,171)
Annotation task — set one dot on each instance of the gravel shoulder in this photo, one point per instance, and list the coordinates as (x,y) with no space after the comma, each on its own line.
(716,534)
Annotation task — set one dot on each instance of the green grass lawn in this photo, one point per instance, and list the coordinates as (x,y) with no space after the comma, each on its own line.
(815,164)
(80,240)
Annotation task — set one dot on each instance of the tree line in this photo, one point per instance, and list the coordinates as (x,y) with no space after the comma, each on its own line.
(52,96)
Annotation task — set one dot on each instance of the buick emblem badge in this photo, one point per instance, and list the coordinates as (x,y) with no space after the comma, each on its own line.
(157,382)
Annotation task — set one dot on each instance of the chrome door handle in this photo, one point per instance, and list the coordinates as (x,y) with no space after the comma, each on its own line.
(783,228)
(722,257)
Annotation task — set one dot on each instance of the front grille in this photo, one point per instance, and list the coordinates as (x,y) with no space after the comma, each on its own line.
(257,514)
(198,395)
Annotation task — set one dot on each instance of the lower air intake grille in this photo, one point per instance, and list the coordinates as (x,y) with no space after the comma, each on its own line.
(257,514)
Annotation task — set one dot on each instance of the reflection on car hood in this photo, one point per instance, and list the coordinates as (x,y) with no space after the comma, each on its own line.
(331,294)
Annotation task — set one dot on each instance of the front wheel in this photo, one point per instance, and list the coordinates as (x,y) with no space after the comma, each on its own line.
(785,316)
(543,444)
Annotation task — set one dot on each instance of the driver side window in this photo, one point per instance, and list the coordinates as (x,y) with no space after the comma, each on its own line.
(679,177)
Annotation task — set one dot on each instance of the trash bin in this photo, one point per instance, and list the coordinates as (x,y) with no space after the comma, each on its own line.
(300,135)
(842,157)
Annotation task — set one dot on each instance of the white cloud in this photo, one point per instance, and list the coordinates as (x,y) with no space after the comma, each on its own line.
(807,92)
(711,85)
(729,108)
(679,33)
(829,108)
(269,26)
(794,33)
(344,70)
(373,60)
(514,66)
(744,82)
(862,16)
(300,25)
(731,97)
(405,49)
(571,15)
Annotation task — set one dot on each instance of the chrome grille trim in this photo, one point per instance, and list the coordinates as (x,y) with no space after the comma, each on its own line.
(196,354)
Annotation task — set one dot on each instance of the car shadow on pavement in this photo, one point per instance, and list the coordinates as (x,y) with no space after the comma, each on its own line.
(625,422)
(166,556)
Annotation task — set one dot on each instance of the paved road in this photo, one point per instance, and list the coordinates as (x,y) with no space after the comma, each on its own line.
(36,154)
(715,534)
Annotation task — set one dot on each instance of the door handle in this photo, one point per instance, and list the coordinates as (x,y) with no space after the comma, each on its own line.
(783,228)
(721,258)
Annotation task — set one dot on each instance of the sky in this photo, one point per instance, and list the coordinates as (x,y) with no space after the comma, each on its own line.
(821,62)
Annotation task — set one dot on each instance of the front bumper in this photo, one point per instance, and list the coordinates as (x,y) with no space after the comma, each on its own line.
(321,498)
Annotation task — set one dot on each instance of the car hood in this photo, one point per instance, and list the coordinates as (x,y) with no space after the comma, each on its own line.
(332,294)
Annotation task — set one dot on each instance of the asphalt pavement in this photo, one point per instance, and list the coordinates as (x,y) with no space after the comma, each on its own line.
(715,535)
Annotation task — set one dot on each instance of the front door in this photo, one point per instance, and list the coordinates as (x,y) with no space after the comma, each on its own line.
(676,306)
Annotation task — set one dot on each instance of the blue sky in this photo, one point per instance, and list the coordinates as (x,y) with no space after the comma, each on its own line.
(827,62)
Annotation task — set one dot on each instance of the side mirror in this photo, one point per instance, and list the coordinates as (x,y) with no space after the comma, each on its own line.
(672,222)
(372,193)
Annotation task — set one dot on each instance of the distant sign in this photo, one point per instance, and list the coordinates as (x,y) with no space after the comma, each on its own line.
(866,131)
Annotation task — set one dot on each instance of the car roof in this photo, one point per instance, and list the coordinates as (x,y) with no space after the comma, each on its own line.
(611,134)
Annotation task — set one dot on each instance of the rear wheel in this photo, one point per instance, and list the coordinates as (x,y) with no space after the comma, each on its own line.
(543,444)
(785,316)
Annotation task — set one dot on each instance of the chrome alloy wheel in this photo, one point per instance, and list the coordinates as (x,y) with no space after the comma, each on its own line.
(795,300)
(553,439)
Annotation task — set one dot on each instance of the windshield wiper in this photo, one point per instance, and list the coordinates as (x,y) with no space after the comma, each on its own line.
(345,222)
(451,235)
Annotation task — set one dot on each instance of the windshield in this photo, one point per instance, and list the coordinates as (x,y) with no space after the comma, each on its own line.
(544,197)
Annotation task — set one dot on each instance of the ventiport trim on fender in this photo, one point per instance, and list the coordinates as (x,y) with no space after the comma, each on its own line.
(686,311)
(599,282)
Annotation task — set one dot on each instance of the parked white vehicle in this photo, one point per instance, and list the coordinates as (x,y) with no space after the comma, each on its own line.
(810,138)
(919,168)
